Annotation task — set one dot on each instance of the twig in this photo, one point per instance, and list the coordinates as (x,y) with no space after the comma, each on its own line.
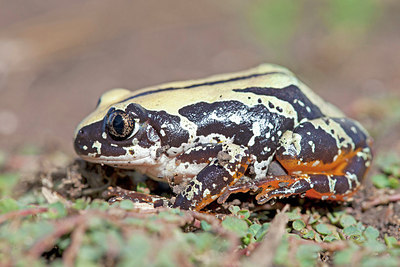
(76,241)
(64,226)
(231,258)
(264,254)
(382,200)
(21,213)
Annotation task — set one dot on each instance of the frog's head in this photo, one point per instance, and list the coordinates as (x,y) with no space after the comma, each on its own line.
(117,133)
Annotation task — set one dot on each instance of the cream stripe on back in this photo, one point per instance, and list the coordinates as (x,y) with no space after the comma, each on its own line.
(173,100)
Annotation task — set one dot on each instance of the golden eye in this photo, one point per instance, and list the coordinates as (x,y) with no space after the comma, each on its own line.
(120,125)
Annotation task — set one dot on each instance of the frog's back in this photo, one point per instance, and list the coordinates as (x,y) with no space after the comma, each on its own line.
(269,85)
(266,83)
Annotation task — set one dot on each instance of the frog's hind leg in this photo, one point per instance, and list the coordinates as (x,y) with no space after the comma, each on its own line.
(230,164)
(324,158)
(320,186)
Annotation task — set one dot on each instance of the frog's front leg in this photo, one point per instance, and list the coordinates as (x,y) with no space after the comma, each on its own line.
(224,170)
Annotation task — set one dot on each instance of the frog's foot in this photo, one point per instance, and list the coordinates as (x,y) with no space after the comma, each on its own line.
(246,184)
(320,186)
(115,194)
(241,188)
(230,164)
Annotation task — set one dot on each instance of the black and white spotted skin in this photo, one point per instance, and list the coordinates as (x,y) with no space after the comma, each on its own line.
(222,134)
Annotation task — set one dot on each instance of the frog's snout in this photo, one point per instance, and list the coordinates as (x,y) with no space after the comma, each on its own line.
(80,142)
(86,141)
(91,142)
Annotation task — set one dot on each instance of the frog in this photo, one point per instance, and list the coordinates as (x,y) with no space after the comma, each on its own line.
(260,130)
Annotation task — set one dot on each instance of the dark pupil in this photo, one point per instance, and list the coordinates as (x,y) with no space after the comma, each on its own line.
(119,124)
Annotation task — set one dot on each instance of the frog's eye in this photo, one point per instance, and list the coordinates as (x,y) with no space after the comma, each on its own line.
(120,125)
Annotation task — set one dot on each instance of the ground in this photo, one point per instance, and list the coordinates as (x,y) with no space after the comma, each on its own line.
(56,58)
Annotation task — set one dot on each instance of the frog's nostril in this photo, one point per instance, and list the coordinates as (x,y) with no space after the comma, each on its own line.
(81,136)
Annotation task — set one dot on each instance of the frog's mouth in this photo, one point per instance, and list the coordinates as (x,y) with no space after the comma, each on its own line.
(120,162)
(133,157)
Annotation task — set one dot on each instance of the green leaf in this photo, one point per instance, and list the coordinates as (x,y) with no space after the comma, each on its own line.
(318,238)
(57,210)
(371,233)
(380,181)
(142,188)
(89,253)
(83,262)
(262,231)
(169,216)
(29,232)
(294,214)
(7,183)
(314,218)
(80,204)
(370,261)
(360,226)
(8,204)
(234,209)
(307,254)
(390,241)
(395,170)
(374,246)
(202,241)
(154,227)
(126,204)
(99,204)
(310,234)
(246,240)
(394,252)
(163,256)
(136,251)
(205,226)
(352,231)
(329,238)
(96,222)
(323,229)
(347,220)
(254,228)
(298,225)
(334,217)
(235,225)
(394,182)
(389,163)
(243,214)
(345,256)
(64,243)
(282,253)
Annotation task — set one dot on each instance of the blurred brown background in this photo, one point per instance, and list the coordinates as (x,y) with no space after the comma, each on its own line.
(57,57)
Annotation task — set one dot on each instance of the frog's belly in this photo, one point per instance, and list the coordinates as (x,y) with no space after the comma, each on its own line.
(168,169)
